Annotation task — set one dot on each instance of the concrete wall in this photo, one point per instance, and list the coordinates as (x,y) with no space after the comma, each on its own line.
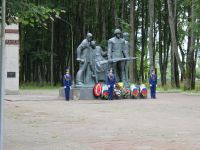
(12,59)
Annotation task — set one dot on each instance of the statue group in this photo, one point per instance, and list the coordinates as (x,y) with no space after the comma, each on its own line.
(94,62)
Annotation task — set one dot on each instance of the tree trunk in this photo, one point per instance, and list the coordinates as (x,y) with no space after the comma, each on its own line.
(104,23)
(151,33)
(173,35)
(114,9)
(195,61)
(132,68)
(183,59)
(123,9)
(98,19)
(21,54)
(160,47)
(190,64)
(143,45)
(176,73)
(172,69)
(166,44)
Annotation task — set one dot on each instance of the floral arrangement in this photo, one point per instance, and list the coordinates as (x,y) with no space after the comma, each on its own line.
(97,89)
(144,92)
(105,94)
(104,91)
(126,92)
(118,86)
(118,90)
(135,92)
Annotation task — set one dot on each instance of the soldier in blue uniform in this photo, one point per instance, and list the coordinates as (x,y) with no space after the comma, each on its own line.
(67,81)
(153,83)
(111,83)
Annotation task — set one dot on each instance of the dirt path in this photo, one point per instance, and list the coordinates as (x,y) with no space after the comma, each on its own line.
(45,122)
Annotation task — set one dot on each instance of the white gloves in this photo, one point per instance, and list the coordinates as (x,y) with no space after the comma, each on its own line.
(151,85)
(108,86)
(69,87)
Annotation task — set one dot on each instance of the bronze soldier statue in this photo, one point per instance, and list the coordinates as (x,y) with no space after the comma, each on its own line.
(127,48)
(83,56)
(116,50)
(99,63)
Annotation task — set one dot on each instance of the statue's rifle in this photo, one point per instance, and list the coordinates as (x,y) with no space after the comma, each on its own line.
(116,60)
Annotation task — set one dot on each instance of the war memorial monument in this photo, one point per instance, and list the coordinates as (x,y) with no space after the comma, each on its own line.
(94,63)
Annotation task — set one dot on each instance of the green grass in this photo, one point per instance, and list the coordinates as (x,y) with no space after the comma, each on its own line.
(169,88)
(36,86)
(197,87)
(166,88)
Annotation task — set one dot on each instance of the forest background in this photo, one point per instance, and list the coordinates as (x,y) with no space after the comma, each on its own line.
(163,33)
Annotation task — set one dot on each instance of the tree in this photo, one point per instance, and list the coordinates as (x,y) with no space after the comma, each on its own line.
(191,64)
(144,38)
(164,40)
(173,35)
(151,33)
(133,65)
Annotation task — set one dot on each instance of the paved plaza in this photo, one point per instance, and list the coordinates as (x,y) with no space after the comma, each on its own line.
(40,120)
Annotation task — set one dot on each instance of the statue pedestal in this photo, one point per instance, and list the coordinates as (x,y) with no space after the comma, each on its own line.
(79,93)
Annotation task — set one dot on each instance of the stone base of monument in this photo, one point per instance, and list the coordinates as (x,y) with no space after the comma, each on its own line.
(9,92)
(78,93)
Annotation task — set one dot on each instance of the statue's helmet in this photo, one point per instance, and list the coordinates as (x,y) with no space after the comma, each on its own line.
(93,43)
(125,34)
(89,36)
(117,31)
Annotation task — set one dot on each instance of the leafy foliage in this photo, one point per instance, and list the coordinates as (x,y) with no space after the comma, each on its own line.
(28,13)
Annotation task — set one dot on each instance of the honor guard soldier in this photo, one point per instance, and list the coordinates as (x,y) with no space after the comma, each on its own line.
(67,84)
(111,83)
(153,83)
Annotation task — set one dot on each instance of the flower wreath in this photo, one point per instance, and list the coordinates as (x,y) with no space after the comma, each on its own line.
(126,92)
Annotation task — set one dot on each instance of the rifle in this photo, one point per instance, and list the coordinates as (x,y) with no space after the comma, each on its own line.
(116,60)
